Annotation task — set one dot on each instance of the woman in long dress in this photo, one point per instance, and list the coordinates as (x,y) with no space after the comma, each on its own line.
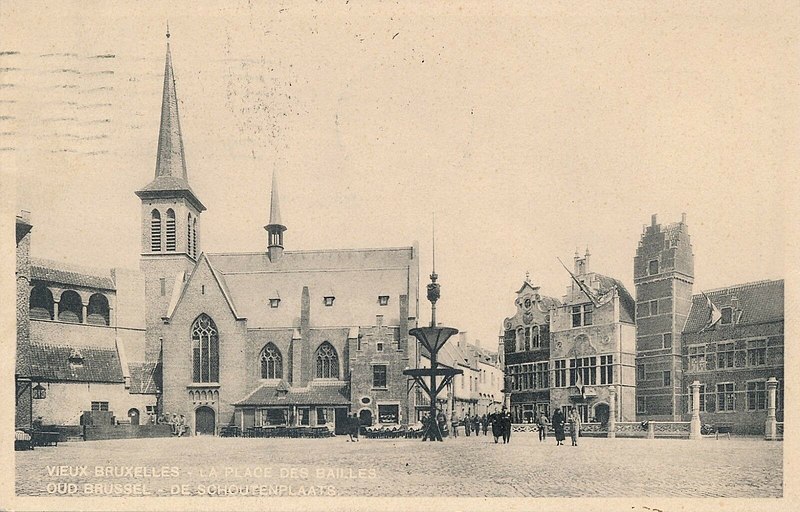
(558,426)
(575,426)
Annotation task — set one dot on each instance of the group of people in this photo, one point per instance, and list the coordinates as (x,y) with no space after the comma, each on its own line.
(472,424)
(573,419)
(177,422)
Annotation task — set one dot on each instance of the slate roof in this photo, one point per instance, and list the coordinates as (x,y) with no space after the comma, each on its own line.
(52,363)
(758,302)
(627,305)
(315,394)
(62,273)
(355,277)
(145,378)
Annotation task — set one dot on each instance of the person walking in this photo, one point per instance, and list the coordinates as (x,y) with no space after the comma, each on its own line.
(353,426)
(574,425)
(476,425)
(506,428)
(558,426)
(497,428)
(485,424)
(454,424)
(542,422)
(467,424)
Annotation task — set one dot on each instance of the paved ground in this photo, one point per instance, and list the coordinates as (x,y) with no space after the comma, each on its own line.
(465,466)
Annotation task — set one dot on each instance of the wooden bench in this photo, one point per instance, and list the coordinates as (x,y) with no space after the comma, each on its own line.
(723,428)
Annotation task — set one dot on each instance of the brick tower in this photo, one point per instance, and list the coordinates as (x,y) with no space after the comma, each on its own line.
(170,219)
(663,273)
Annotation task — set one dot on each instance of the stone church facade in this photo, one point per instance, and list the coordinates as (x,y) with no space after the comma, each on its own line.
(252,339)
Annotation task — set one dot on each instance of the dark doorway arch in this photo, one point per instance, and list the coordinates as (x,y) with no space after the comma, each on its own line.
(365,417)
(601,413)
(204,421)
(133,414)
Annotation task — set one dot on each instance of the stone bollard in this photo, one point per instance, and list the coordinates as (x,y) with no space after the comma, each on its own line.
(612,412)
(694,425)
(651,430)
(771,425)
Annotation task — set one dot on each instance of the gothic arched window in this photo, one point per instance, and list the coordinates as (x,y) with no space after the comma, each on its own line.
(194,237)
(327,362)
(189,235)
(155,231)
(271,362)
(171,242)
(205,350)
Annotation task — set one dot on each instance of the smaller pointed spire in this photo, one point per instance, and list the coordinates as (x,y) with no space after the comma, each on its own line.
(275,228)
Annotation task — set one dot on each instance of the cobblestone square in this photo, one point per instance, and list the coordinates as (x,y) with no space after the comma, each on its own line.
(464,467)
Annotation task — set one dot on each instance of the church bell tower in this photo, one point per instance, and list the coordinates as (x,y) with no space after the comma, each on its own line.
(170,218)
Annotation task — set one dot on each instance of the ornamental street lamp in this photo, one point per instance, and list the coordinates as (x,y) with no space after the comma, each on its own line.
(433,338)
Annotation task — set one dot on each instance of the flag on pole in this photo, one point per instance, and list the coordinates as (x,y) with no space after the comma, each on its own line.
(597,300)
(579,383)
(714,314)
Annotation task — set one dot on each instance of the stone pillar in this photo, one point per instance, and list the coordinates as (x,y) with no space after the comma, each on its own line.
(771,425)
(612,412)
(694,424)
(651,430)
(55,310)
(85,309)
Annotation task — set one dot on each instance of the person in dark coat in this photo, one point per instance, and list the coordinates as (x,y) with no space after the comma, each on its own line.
(476,425)
(497,427)
(485,424)
(542,422)
(558,426)
(467,425)
(506,428)
(353,426)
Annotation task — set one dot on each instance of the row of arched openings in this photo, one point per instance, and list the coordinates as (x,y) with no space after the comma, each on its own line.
(164,238)
(70,307)
(205,355)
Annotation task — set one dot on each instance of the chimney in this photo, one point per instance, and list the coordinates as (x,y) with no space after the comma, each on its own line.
(653,220)
(683,218)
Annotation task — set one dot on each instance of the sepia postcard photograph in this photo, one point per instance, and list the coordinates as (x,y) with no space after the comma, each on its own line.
(363,255)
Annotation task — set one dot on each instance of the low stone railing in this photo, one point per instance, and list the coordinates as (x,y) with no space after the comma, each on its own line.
(648,429)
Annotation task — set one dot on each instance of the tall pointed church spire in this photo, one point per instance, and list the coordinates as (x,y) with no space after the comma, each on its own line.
(170,177)
(275,228)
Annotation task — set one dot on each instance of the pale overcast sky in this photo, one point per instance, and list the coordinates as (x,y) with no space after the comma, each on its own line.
(529,132)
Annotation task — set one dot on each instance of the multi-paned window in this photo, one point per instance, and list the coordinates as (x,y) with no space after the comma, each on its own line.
(541,375)
(668,340)
(586,367)
(205,350)
(726,397)
(725,355)
(379,376)
(582,315)
(606,369)
(640,372)
(757,352)
(756,395)
(560,372)
(667,378)
(641,405)
(99,406)
(388,413)
(652,267)
(271,362)
(697,358)
(327,362)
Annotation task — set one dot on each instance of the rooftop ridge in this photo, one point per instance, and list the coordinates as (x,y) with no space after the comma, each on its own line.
(314,251)
(71,267)
(751,284)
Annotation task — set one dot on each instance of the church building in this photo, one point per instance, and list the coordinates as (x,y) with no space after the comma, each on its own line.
(275,337)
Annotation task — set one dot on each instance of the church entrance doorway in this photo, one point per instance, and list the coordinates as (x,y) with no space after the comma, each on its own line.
(204,421)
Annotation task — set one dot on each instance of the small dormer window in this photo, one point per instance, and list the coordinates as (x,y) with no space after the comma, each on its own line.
(652,267)
(328,300)
(274,303)
(727,316)
(379,346)
(75,358)
(39,392)
(383,300)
